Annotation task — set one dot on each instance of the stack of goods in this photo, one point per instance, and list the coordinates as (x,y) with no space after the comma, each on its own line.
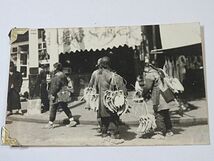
(146,122)
(91,98)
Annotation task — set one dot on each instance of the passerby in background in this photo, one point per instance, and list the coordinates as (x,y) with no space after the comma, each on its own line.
(58,83)
(14,88)
(153,83)
(42,80)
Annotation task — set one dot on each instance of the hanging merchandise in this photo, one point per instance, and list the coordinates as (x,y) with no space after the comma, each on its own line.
(146,122)
(170,68)
(181,65)
(166,66)
(173,66)
(115,100)
(176,85)
(176,75)
(91,98)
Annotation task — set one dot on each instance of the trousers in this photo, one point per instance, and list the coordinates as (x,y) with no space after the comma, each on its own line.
(163,121)
(54,108)
(110,124)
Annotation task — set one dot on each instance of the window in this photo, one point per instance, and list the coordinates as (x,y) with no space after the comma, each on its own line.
(13,54)
(23,59)
(40,46)
(14,49)
(41,34)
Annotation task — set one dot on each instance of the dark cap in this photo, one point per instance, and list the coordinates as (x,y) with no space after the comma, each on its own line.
(105,62)
(58,66)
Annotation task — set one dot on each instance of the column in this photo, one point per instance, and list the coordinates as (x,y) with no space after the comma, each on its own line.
(52,46)
(34,103)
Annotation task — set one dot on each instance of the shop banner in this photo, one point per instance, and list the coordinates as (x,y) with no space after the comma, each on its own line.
(98,38)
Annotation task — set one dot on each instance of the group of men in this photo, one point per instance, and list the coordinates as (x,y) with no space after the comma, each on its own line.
(100,80)
(152,82)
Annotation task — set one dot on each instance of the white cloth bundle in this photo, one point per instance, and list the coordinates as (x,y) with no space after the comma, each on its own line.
(91,98)
(115,101)
(174,84)
(146,122)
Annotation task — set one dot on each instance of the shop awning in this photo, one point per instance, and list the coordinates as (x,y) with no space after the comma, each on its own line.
(195,49)
(180,39)
(180,35)
(81,39)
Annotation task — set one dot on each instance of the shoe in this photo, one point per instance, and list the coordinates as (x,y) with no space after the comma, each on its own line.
(117,141)
(139,135)
(169,133)
(19,112)
(115,136)
(49,126)
(72,124)
(44,110)
(158,136)
(183,108)
(104,135)
(99,130)
(121,123)
(9,113)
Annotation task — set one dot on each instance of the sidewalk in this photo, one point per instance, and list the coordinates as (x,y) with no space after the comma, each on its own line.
(197,114)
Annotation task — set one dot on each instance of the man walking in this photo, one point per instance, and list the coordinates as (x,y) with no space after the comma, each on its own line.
(58,82)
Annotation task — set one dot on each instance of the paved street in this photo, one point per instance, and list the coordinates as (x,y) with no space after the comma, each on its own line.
(198,114)
(29,134)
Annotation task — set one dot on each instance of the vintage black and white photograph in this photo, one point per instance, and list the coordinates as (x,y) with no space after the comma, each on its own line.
(107,86)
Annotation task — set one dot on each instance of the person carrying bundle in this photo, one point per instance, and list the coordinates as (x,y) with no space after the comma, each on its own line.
(161,109)
(101,80)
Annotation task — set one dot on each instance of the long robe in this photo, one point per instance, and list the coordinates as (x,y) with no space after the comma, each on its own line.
(14,87)
(101,81)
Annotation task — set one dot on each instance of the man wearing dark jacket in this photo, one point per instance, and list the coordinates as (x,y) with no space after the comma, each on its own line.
(58,81)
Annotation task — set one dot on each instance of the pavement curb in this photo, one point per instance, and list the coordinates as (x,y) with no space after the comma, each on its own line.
(175,121)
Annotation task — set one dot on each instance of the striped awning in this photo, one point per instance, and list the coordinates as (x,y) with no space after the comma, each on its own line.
(97,38)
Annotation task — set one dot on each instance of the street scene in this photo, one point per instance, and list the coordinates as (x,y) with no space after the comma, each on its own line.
(107,86)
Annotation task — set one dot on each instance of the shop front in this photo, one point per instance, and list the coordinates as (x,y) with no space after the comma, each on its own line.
(80,48)
(80,65)
(186,64)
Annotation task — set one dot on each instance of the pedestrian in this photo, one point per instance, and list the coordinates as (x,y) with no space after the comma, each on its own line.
(42,81)
(14,88)
(57,85)
(101,80)
(153,83)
